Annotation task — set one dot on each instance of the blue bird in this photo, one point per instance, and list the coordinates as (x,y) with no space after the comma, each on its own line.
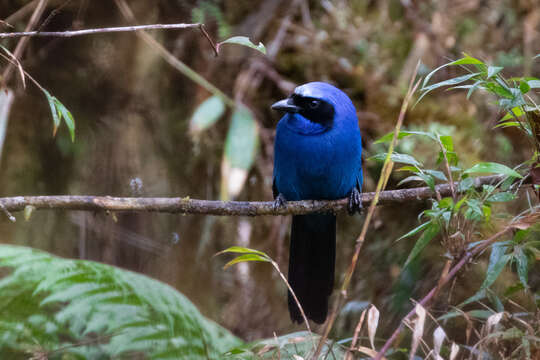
(317,155)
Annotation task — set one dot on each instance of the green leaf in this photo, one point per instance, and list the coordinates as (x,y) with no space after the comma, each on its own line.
(68,118)
(467,60)
(476,297)
(507,124)
(445,203)
(492,168)
(493,70)
(404,133)
(244,258)
(52,105)
(475,86)
(398,158)
(474,210)
(428,179)
(409,179)
(447,143)
(449,82)
(429,233)
(244,41)
(522,265)
(415,231)
(439,175)
(498,89)
(242,250)
(409,168)
(465,184)
(524,87)
(502,196)
(497,261)
(206,114)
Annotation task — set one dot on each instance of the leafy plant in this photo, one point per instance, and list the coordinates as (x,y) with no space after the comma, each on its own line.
(513,96)
(75,309)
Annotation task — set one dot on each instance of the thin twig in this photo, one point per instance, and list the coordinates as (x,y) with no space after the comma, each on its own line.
(385,174)
(73,33)
(276,266)
(207,36)
(179,205)
(349,355)
(21,45)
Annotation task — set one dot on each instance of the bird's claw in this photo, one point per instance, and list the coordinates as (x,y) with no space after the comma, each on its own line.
(355,202)
(280,202)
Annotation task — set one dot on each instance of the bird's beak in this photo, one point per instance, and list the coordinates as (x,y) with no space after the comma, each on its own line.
(286,105)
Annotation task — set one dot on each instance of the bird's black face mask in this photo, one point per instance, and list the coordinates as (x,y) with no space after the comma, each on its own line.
(315,110)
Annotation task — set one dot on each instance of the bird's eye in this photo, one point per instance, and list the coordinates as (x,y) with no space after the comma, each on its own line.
(313,104)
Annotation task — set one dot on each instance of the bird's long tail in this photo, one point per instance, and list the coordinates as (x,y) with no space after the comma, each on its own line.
(311,265)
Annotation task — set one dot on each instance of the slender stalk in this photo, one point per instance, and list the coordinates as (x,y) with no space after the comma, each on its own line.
(73,33)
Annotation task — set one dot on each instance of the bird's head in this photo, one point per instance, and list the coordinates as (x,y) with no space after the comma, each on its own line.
(321,104)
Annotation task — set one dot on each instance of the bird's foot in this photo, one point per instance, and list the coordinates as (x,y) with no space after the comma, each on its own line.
(280,202)
(355,202)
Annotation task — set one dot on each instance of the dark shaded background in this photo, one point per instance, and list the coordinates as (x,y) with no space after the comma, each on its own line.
(132,112)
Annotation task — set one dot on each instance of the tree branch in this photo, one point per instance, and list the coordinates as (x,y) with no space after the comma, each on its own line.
(97,31)
(222,208)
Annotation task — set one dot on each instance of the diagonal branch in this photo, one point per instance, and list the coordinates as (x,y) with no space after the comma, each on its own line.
(186,205)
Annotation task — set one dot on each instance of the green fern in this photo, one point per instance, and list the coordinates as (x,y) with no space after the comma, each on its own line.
(75,309)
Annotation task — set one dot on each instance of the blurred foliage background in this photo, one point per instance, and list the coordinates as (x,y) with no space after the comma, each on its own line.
(134,138)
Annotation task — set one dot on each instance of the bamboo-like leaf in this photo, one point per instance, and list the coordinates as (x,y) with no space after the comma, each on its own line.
(493,70)
(524,87)
(449,82)
(467,60)
(429,233)
(242,250)
(497,261)
(68,118)
(522,266)
(415,231)
(52,105)
(244,41)
(398,158)
(492,168)
(246,257)
(403,133)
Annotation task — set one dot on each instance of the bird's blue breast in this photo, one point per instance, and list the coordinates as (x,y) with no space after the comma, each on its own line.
(312,162)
